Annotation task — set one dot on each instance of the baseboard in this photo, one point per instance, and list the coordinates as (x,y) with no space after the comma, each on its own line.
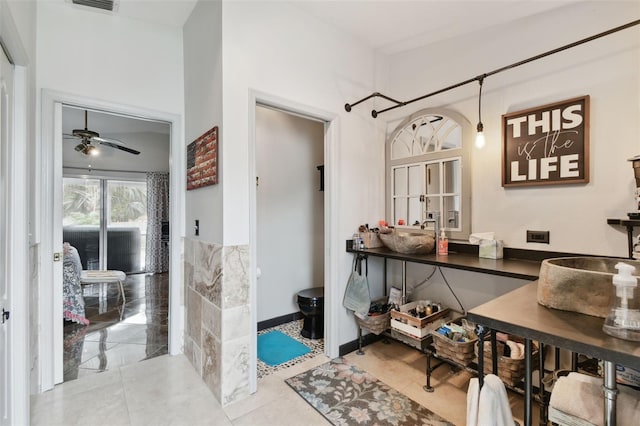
(273,322)
(351,346)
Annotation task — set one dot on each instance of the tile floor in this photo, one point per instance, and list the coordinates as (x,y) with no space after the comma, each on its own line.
(291,329)
(167,391)
(119,334)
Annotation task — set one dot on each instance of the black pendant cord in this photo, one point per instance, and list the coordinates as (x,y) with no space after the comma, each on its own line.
(481,77)
(480,127)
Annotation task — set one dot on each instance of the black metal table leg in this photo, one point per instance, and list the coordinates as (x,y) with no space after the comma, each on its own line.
(428,387)
(360,351)
(527,382)
(481,332)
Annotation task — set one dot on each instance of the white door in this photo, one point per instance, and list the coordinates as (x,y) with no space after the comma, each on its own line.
(6,132)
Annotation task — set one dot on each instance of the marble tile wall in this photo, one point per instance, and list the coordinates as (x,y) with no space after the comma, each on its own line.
(218,317)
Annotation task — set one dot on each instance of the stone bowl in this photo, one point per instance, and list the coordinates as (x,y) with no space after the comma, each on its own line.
(579,284)
(408,243)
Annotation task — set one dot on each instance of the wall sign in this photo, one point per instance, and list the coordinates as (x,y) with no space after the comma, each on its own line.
(546,145)
(202,160)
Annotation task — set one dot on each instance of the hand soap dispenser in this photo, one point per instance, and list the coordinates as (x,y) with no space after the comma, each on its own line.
(443,244)
(623,320)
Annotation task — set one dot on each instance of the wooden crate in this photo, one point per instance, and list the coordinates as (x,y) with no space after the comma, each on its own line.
(403,315)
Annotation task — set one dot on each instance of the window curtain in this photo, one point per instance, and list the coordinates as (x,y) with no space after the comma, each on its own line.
(157,251)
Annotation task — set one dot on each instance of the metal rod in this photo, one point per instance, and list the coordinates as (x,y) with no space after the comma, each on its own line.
(399,104)
(610,391)
(348,107)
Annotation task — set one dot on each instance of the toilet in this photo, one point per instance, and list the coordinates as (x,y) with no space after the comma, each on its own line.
(311,303)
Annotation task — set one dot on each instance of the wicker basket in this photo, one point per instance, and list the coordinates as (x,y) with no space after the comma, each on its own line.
(376,324)
(511,371)
(459,352)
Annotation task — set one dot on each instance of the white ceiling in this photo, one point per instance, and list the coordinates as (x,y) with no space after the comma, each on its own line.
(389,26)
(396,26)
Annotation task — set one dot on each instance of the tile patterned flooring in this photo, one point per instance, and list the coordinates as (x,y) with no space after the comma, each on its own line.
(292,329)
(166,390)
(118,334)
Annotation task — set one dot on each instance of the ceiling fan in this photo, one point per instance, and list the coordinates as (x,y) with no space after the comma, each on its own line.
(87,136)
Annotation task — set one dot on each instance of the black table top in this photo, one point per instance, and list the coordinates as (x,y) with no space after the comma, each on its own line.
(518,312)
(513,268)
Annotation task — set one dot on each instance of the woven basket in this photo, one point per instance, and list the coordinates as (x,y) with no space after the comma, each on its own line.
(460,352)
(376,324)
(511,371)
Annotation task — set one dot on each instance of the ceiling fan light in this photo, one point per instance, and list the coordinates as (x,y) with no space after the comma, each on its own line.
(80,147)
(92,150)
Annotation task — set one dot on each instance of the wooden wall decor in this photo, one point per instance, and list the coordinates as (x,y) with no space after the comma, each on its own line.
(202,160)
(547,144)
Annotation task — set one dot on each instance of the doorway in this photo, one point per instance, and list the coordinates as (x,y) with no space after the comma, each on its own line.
(290,225)
(113,208)
(50,349)
(331,235)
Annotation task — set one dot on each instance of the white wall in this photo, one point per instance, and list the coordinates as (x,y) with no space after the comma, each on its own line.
(108,57)
(274,48)
(606,69)
(290,214)
(203,110)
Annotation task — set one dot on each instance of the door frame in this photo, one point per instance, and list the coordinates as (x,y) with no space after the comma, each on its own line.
(50,221)
(19,183)
(331,237)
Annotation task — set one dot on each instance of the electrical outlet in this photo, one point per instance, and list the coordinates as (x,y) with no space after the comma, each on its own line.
(538,237)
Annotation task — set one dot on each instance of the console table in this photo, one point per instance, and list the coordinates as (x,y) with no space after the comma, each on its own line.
(519,313)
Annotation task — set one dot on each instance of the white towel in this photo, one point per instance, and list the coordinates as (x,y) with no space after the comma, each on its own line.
(473,395)
(493,406)
(490,405)
(581,396)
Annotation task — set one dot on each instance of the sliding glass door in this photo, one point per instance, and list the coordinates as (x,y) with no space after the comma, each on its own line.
(106,221)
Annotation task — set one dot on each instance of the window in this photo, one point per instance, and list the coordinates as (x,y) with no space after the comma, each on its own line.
(106,221)
(428,172)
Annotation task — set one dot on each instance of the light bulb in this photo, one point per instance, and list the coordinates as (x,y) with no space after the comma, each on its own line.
(480,141)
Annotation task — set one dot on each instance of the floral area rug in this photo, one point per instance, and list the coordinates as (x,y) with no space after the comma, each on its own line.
(346,395)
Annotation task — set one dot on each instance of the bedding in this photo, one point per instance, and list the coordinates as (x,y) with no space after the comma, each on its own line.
(73,304)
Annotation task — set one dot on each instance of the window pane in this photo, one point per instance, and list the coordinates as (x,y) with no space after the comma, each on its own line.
(451,135)
(400,181)
(399,210)
(452,212)
(126,225)
(415,211)
(433,178)
(81,208)
(432,207)
(451,176)
(415,180)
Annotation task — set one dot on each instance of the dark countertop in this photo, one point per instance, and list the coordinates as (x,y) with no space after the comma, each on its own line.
(519,313)
(514,268)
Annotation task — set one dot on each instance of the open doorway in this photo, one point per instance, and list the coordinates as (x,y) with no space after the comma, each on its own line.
(329,234)
(115,199)
(49,354)
(290,237)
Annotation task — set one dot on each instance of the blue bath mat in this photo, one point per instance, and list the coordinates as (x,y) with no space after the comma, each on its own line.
(275,348)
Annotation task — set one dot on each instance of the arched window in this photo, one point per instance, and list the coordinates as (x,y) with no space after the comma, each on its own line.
(428,172)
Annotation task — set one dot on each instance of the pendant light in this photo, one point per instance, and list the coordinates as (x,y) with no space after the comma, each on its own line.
(480,141)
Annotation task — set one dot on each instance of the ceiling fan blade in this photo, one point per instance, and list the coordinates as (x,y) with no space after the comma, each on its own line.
(120,147)
(109,140)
